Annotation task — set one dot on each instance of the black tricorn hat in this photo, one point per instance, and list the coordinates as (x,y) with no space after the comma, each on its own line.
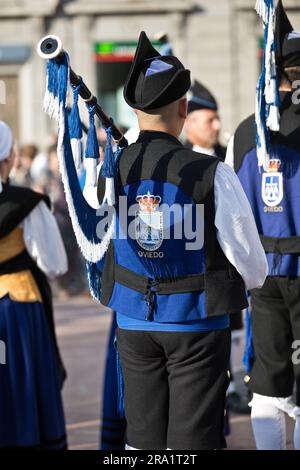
(200,97)
(154,80)
(287,40)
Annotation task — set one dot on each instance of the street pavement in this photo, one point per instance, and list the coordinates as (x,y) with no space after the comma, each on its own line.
(82,327)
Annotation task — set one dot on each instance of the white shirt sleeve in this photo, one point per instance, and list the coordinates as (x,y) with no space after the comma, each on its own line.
(43,241)
(236,229)
(229,154)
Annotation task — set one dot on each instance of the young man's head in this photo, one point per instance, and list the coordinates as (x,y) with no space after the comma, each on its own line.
(203,121)
(287,76)
(156,87)
(169,118)
(203,128)
(287,50)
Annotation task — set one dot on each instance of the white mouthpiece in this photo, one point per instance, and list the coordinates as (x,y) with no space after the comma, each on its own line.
(49,47)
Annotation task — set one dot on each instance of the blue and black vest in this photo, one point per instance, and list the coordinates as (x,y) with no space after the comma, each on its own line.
(153,275)
(274,195)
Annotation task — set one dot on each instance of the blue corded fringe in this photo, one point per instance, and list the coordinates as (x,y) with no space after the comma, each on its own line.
(108,167)
(92,147)
(121,406)
(87,216)
(94,278)
(113,427)
(249,351)
(265,9)
(262,110)
(52,76)
(63,79)
(57,85)
(74,117)
(84,218)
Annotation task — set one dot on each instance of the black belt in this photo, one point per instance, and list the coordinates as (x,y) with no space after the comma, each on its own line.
(283,246)
(159,285)
(17,263)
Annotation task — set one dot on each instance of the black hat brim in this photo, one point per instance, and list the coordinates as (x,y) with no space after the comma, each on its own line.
(287,50)
(201,98)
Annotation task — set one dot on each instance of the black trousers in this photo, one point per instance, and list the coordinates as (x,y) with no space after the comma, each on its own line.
(275,326)
(174,387)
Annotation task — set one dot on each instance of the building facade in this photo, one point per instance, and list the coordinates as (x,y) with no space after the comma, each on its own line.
(219,40)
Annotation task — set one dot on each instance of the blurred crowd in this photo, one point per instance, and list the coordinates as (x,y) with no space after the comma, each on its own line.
(40,171)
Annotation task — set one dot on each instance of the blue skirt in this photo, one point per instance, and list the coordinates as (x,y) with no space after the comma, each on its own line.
(31,411)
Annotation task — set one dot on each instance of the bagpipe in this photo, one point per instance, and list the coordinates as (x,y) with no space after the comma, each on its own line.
(61,80)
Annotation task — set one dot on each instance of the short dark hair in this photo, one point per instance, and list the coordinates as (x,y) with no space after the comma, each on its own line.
(29,150)
(52,149)
(288,75)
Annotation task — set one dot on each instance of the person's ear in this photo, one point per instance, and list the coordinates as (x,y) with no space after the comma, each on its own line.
(183,108)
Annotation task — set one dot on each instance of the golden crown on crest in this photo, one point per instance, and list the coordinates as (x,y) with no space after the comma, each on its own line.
(148,202)
(274,164)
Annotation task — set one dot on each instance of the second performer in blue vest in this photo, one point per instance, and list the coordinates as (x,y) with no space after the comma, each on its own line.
(273,193)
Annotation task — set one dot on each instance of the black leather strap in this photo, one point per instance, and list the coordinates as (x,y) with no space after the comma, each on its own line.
(161,286)
(283,246)
(19,263)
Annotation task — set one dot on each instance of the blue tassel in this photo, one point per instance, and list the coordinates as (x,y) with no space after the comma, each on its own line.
(52,76)
(121,406)
(75,125)
(63,79)
(92,147)
(92,153)
(75,128)
(249,351)
(113,427)
(108,167)
(94,278)
(57,86)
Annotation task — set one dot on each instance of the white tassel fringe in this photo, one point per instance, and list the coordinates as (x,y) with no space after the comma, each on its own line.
(91,251)
(109,195)
(91,172)
(273,121)
(261,10)
(76,151)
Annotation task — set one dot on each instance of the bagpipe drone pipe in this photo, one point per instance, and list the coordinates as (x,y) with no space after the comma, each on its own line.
(61,79)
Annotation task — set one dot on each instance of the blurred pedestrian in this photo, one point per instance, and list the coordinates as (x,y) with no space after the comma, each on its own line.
(203,125)
(21,173)
(31,249)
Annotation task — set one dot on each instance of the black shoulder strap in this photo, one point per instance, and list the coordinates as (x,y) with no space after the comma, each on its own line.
(244,141)
(166,161)
(220,152)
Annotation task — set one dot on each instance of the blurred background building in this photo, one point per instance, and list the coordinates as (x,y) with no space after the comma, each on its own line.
(219,40)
